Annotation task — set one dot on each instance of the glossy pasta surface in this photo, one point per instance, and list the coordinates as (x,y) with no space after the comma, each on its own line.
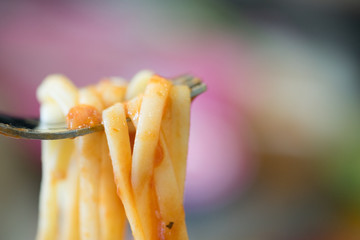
(133,172)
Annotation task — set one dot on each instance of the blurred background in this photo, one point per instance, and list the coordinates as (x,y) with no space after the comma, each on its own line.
(274,147)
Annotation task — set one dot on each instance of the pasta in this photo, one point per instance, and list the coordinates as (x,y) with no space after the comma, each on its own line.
(133,171)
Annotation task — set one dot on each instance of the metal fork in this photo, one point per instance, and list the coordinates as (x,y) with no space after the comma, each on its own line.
(32,128)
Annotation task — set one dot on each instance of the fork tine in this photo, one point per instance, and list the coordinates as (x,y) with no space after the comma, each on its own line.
(197,90)
(186,80)
(195,84)
(182,79)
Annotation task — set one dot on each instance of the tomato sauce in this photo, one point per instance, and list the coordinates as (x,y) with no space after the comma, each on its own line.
(82,116)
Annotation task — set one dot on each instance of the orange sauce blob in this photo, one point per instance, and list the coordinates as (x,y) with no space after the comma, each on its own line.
(82,116)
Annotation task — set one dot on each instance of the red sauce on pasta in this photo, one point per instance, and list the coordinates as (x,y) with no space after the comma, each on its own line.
(82,116)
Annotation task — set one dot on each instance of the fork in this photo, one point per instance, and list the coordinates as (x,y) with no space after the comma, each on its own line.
(32,128)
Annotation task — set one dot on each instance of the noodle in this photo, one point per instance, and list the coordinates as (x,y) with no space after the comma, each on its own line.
(134,170)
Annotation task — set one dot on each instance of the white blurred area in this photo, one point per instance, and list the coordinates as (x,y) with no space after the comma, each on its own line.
(281,108)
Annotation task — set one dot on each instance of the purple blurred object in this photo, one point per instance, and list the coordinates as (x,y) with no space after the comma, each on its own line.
(218,163)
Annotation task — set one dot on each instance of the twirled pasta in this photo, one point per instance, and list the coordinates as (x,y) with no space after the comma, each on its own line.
(134,170)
